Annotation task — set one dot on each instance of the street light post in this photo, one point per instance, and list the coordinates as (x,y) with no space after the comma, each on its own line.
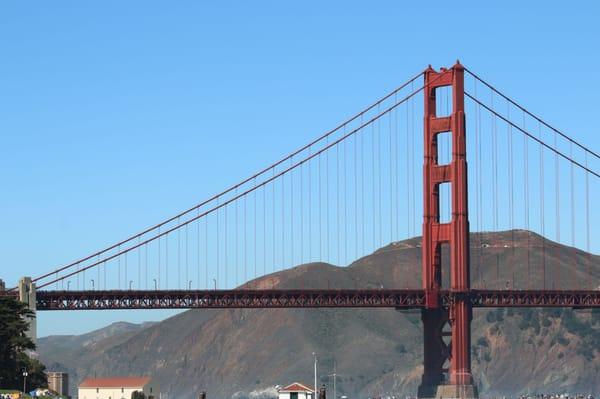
(24,381)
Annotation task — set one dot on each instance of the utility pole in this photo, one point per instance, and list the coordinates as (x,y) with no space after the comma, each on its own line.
(315,388)
(334,375)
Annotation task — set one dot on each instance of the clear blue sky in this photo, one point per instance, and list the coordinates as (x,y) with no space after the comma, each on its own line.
(114,115)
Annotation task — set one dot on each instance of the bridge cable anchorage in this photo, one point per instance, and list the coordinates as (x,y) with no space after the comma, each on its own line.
(230,189)
(525,110)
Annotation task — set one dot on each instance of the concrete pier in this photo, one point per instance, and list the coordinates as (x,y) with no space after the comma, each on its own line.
(27,295)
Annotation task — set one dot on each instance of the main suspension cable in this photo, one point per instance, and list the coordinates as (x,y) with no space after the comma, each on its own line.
(247,191)
(540,120)
(238,185)
(531,136)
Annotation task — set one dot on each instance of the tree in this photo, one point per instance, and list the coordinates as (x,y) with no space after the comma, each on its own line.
(138,395)
(13,344)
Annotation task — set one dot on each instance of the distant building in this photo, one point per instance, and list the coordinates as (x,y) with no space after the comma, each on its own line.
(58,382)
(117,388)
(296,390)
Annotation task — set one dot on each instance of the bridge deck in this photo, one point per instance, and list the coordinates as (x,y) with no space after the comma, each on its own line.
(329,298)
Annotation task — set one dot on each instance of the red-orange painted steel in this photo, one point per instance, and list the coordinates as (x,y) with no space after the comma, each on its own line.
(335,298)
(455,233)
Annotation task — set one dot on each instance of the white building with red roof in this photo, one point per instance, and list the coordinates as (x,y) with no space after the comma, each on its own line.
(296,390)
(117,388)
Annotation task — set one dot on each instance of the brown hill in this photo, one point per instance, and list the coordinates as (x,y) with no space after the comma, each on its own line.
(377,352)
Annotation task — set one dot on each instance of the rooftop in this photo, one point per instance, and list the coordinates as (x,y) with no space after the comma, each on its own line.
(115,382)
(296,387)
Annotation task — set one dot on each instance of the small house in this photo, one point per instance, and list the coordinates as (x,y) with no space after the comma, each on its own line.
(296,390)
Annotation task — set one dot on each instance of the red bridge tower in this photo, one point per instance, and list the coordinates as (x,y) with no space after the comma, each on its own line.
(447,365)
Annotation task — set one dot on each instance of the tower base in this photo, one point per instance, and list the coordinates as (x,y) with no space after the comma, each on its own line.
(448,392)
(457,392)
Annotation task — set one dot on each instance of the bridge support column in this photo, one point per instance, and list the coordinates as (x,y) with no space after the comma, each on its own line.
(27,295)
(435,351)
(438,380)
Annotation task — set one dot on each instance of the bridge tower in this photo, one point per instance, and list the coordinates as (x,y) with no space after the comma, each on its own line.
(27,295)
(447,365)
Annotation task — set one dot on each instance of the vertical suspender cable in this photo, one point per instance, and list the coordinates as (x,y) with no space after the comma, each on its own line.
(345,198)
(99,268)
(587,223)
(291,217)
(264,235)
(236,241)
(408,178)
(412,163)
(187,277)
(327,247)
(373,180)
(178,285)
(510,199)
(391,172)
(226,241)
(380,190)
(206,252)
(494,180)
(217,236)
(282,222)
(273,220)
(571,167)
(119,265)
(159,258)
(139,252)
(397,169)
(356,196)
(146,266)
(526,200)
(478,173)
(310,204)
(542,210)
(301,206)
(337,194)
(255,227)
(320,205)
(556,274)
(362,185)
(244,238)
(198,249)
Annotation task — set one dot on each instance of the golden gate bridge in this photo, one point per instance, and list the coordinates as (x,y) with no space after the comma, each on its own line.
(371,181)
